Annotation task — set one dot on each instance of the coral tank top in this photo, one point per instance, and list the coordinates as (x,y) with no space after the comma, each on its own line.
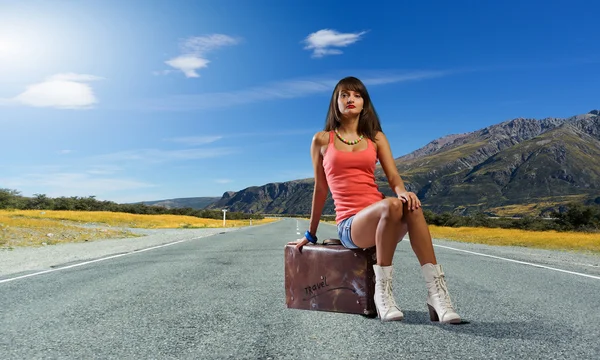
(351,178)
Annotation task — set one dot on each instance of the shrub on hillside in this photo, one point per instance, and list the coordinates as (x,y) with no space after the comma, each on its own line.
(579,217)
(12,199)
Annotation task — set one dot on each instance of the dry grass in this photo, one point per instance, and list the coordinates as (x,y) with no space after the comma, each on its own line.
(520,210)
(131,220)
(512,237)
(553,240)
(34,227)
(534,209)
(21,231)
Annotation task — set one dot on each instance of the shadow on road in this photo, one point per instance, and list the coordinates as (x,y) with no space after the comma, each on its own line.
(529,330)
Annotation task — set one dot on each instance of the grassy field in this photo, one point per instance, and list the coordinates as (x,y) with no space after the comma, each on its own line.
(38,228)
(552,240)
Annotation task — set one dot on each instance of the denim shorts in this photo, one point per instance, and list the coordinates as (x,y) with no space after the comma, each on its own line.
(344,233)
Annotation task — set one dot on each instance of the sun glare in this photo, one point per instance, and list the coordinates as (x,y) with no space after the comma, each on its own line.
(8,47)
(17,47)
(27,45)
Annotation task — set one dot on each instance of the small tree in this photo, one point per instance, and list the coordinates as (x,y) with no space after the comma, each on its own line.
(40,202)
(9,199)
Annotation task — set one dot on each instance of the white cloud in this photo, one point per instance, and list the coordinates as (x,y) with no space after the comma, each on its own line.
(195,140)
(383,79)
(62,91)
(194,52)
(276,133)
(64,152)
(157,155)
(74,77)
(72,184)
(204,44)
(289,89)
(188,64)
(325,41)
(104,169)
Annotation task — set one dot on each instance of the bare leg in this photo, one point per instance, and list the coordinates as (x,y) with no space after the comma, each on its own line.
(379,225)
(383,224)
(438,299)
(420,238)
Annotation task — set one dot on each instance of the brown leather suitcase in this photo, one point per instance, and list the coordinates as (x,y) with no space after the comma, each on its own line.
(329,277)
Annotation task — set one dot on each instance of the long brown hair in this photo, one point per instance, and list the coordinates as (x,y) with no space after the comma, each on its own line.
(368,121)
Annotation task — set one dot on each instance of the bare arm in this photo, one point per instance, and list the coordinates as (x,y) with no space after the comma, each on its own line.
(384,153)
(321,188)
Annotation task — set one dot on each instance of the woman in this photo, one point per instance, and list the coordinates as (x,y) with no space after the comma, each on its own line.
(344,158)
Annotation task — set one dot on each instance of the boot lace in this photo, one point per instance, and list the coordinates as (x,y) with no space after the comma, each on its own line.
(442,289)
(387,296)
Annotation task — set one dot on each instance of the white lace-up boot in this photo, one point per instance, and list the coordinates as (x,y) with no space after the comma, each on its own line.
(438,298)
(384,298)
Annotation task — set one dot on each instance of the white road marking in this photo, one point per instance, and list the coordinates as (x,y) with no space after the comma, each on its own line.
(104,258)
(520,262)
(95,260)
(177,242)
(407,239)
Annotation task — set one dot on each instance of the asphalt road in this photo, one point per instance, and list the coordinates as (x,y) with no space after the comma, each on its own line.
(223,296)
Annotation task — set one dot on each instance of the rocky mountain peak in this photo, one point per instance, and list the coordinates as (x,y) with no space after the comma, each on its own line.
(228,194)
(519,161)
(435,146)
(521,128)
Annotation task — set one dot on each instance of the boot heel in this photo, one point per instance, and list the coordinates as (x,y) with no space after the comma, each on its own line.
(438,299)
(433,316)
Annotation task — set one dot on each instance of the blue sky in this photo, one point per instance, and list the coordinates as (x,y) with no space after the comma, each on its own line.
(147,100)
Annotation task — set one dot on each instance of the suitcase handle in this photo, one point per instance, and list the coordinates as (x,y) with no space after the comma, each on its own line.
(332,242)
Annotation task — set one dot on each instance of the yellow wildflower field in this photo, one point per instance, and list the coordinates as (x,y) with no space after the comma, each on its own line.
(39,227)
(553,240)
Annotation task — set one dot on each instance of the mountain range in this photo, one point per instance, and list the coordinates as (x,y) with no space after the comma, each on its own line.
(192,202)
(514,167)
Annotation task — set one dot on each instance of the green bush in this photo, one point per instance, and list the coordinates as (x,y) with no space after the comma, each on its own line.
(573,217)
(570,217)
(12,199)
(579,217)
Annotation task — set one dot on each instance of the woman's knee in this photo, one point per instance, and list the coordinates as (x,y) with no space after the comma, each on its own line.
(414,214)
(392,209)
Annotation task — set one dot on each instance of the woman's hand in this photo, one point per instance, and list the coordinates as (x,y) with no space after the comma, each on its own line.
(410,199)
(300,243)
